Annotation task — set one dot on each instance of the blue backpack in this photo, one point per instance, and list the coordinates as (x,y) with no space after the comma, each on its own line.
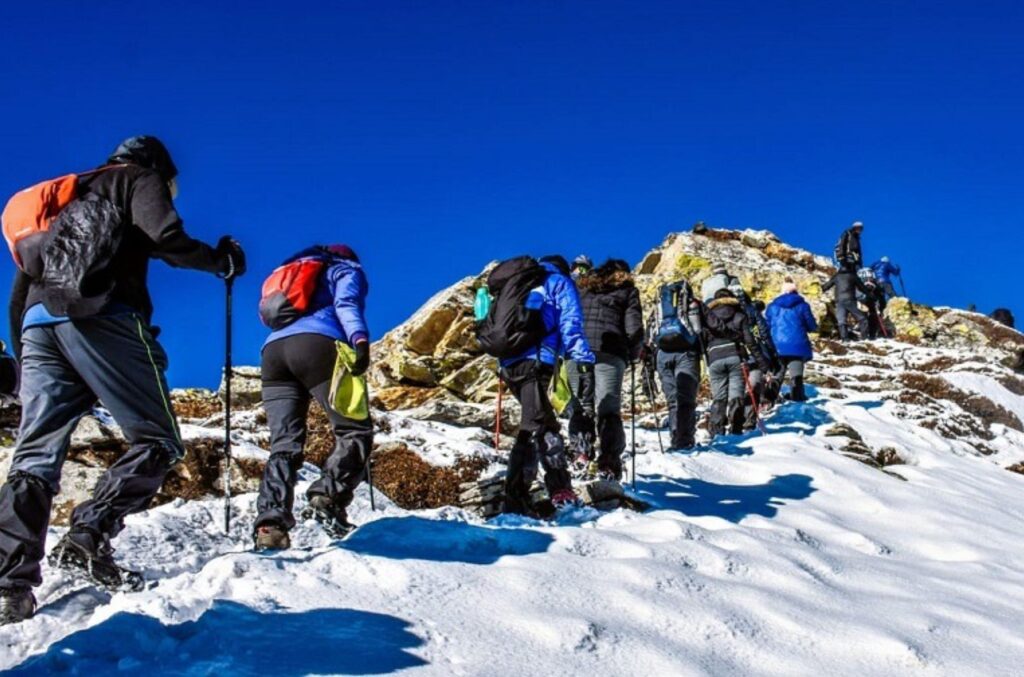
(673,335)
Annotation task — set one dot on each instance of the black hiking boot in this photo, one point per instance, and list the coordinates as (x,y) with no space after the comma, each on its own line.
(16,605)
(333,519)
(89,556)
(270,537)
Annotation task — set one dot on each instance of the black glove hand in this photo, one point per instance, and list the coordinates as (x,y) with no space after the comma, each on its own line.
(362,362)
(230,258)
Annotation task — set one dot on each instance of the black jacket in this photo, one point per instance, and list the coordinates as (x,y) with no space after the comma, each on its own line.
(152,229)
(848,247)
(612,316)
(847,283)
(727,332)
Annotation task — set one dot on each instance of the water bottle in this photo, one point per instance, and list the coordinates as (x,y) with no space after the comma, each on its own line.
(482,305)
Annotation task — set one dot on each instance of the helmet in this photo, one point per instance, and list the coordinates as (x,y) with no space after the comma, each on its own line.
(857,224)
(866,274)
(582,261)
(884,259)
(148,152)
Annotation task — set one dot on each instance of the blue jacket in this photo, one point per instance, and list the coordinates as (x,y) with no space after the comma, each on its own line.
(559,303)
(884,270)
(338,305)
(790,318)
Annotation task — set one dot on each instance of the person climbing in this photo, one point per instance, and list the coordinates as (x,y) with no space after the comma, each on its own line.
(848,249)
(874,301)
(554,328)
(1003,316)
(308,355)
(728,340)
(581,265)
(847,283)
(83,333)
(614,327)
(720,279)
(790,320)
(674,338)
(763,390)
(884,271)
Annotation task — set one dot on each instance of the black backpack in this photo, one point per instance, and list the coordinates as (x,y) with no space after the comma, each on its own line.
(674,336)
(510,328)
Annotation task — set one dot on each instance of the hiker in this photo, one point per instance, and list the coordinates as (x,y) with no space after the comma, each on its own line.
(763,386)
(884,271)
(848,250)
(614,327)
(728,340)
(83,338)
(315,353)
(720,279)
(581,265)
(790,318)
(847,283)
(528,347)
(874,301)
(1003,316)
(674,338)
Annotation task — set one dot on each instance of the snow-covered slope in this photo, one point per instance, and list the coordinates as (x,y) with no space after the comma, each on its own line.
(774,555)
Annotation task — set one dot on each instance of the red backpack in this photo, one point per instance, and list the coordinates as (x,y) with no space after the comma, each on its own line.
(288,291)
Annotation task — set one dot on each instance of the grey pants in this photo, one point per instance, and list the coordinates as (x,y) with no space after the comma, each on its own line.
(846,309)
(65,369)
(756,377)
(727,392)
(680,381)
(609,372)
(795,372)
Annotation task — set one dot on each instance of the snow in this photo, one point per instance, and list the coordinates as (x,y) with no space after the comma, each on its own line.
(762,555)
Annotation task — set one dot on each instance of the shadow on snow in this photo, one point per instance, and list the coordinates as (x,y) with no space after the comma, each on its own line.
(798,417)
(443,541)
(231,638)
(733,502)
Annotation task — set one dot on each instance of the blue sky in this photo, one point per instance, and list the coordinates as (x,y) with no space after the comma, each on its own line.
(434,137)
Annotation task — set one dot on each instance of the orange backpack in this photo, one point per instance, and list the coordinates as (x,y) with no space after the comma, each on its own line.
(29,214)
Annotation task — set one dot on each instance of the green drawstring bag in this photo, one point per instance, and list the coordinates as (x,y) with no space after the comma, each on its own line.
(348,392)
(561,393)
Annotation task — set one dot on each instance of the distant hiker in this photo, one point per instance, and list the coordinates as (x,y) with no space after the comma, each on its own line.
(534,319)
(874,301)
(700,228)
(884,271)
(847,283)
(675,336)
(81,309)
(1003,316)
(720,279)
(614,327)
(791,319)
(728,340)
(319,349)
(848,250)
(581,265)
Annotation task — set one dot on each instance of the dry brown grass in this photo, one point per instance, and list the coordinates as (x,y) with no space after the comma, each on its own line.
(414,484)
(976,405)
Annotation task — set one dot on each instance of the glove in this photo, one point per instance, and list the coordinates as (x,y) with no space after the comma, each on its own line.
(362,362)
(230,258)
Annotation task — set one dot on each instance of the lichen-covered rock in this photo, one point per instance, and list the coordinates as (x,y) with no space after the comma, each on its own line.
(246,387)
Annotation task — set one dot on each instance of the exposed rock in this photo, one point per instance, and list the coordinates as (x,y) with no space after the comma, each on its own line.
(1017,468)
(196,403)
(844,430)
(245,387)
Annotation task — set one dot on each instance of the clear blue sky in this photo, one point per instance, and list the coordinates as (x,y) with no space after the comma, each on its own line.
(434,136)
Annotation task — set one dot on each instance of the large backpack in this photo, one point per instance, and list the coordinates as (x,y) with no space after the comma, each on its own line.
(510,328)
(288,291)
(673,335)
(65,241)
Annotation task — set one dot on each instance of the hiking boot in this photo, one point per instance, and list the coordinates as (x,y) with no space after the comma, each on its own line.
(566,498)
(271,537)
(333,519)
(608,475)
(86,554)
(16,605)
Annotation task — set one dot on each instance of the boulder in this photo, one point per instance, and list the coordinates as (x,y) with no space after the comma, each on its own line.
(246,387)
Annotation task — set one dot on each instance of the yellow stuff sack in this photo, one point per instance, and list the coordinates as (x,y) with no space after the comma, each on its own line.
(561,393)
(348,392)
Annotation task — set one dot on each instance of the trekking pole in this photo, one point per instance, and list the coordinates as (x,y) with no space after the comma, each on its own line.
(753,399)
(229,283)
(632,406)
(654,408)
(368,468)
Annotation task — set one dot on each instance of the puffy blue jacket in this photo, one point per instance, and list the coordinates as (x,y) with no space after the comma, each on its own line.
(559,304)
(790,318)
(884,270)
(338,305)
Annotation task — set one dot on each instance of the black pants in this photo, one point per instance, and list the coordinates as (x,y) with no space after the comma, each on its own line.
(65,369)
(295,369)
(680,381)
(846,309)
(539,439)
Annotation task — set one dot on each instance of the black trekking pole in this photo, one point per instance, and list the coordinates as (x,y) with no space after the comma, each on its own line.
(369,457)
(632,407)
(654,407)
(229,283)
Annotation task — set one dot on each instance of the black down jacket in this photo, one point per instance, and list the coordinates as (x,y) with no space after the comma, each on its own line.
(612,316)
(727,332)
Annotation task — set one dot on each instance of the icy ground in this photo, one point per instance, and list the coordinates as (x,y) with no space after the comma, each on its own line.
(769,555)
